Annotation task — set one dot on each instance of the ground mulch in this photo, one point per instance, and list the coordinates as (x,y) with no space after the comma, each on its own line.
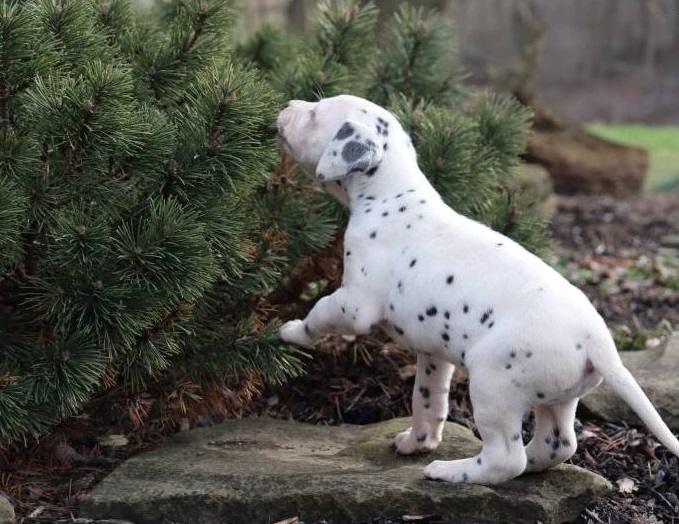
(618,251)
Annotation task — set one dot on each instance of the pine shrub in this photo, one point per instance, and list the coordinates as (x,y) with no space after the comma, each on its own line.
(144,214)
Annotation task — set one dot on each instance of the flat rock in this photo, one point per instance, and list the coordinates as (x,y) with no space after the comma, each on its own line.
(263,470)
(656,370)
(7,515)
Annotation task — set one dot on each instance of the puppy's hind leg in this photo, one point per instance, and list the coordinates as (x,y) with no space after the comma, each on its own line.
(498,418)
(430,406)
(554,440)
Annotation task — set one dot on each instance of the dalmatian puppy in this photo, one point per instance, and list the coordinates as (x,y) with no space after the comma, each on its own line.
(456,293)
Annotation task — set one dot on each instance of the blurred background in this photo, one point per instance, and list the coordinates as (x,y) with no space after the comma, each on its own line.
(612,65)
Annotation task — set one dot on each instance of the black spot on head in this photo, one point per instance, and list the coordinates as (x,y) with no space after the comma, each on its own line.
(552,455)
(540,395)
(423,201)
(427,371)
(465,336)
(446,315)
(345,131)
(431,311)
(413,262)
(427,405)
(491,324)
(529,354)
(516,436)
(385,146)
(382,121)
(450,279)
(370,198)
(409,226)
(432,366)
(354,151)
(512,354)
(368,210)
(556,432)
(462,355)
(371,171)
(556,444)
(399,195)
(398,330)
(500,244)
(344,310)
(348,253)
(402,209)
(391,307)
(400,286)
(373,234)
(424,391)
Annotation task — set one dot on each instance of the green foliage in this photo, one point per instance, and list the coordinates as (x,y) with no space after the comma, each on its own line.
(132,153)
(468,143)
(139,233)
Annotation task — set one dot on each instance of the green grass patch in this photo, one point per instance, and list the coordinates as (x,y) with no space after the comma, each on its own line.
(662,143)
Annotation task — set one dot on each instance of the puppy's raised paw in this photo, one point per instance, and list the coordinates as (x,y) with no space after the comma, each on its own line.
(409,442)
(296,332)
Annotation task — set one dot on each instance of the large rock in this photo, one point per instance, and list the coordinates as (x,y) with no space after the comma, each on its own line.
(262,470)
(582,163)
(6,511)
(656,370)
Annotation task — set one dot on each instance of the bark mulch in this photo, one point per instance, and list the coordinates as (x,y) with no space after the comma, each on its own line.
(620,253)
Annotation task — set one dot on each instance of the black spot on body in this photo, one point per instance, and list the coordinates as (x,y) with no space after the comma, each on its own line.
(508,366)
(431,311)
(540,395)
(486,315)
(478,461)
(422,437)
(345,131)
(465,336)
(424,391)
(465,308)
(385,213)
(402,209)
(552,455)
(512,354)
(491,324)
(465,477)
(373,234)
(447,315)
(370,198)
(445,336)
(398,329)
(413,262)
(391,307)
(420,317)
(372,171)
(307,330)
(450,279)
(529,354)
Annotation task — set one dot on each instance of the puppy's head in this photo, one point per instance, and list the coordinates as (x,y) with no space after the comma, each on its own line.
(335,137)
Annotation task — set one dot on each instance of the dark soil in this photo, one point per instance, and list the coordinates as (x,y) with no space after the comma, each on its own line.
(613,249)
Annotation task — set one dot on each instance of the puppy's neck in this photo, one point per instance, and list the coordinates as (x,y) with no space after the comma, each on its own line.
(397,174)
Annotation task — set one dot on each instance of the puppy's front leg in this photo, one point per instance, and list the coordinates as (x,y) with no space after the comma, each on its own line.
(430,406)
(345,312)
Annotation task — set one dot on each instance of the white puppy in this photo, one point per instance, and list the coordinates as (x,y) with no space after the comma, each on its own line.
(455,292)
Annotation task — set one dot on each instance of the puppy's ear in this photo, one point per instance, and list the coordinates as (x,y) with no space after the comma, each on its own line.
(354,149)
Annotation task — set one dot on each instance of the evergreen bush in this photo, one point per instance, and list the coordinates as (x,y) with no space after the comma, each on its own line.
(139,233)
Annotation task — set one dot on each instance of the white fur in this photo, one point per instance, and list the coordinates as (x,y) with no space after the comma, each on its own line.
(455,292)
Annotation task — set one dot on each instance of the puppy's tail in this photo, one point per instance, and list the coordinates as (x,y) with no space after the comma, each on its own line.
(606,361)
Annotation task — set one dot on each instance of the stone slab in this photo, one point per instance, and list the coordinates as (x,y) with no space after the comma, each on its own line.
(262,471)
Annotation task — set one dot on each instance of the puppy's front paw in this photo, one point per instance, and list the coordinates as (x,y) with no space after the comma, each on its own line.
(409,442)
(294,332)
